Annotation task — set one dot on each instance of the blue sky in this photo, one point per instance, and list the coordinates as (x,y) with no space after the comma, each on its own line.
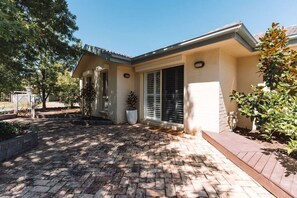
(134,27)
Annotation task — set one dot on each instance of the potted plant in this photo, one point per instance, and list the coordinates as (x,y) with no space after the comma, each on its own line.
(131,112)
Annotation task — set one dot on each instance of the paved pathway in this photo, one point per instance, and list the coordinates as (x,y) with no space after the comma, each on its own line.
(122,161)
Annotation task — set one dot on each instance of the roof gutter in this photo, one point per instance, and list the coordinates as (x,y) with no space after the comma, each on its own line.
(76,66)
(237,31)
(292,39)
(107,55)
(103,54)
(244,37)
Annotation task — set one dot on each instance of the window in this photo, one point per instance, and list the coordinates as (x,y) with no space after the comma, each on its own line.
(104,80)
(153,96)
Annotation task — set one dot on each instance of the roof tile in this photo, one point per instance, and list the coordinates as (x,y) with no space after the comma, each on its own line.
(291,30)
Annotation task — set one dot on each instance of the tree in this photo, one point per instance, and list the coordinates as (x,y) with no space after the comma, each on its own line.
(278,63)
(44,79)
(274,108)
(68,88)
(35,35)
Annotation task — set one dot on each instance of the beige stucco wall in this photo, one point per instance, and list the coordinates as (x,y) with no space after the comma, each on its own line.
(201,104)
(228,83)
(112,93)
(95,65)
(124,86)
(247,75)
(206,90)
(112,96)
(118,86)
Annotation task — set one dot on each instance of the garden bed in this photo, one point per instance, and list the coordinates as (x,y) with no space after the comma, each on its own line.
(277,144)
(10,130)
(15,139)
(58,112)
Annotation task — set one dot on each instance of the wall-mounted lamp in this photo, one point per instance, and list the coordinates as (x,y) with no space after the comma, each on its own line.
(126,75)
(199,64)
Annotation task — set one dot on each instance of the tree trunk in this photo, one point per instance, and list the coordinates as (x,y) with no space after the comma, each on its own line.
(43,94)
(43,98)
(43,104)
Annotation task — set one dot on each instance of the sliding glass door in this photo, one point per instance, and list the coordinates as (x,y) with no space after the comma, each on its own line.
(164,95)
(173,94)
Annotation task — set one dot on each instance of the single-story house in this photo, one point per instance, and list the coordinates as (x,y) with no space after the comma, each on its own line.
(186,84)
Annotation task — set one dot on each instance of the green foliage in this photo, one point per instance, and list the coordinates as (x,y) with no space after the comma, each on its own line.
(17,35)
(278,63)
(68,88)
(44,78)
(272,111)
(10,129)
(131,101)
(292,146)
(274,107)
(88,95)
(10,79)
(28,27)
(34,36)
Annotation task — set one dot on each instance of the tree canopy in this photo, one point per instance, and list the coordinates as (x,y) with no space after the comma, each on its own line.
(36,42)
(28,27)
(68,88)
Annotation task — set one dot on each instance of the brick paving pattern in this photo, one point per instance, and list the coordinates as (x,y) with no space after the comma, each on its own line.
(121,161)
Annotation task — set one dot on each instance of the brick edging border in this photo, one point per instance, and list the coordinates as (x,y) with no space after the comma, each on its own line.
(261,179)
(17,145)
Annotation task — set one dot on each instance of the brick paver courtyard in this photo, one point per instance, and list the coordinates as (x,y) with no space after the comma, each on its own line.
(121,161)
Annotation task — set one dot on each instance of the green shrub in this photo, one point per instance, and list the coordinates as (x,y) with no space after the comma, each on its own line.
(10,129)
(68,88)
(88,95)
(274,107)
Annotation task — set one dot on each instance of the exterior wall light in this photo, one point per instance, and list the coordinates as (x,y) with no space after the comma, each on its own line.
(126,75)
(199,64)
